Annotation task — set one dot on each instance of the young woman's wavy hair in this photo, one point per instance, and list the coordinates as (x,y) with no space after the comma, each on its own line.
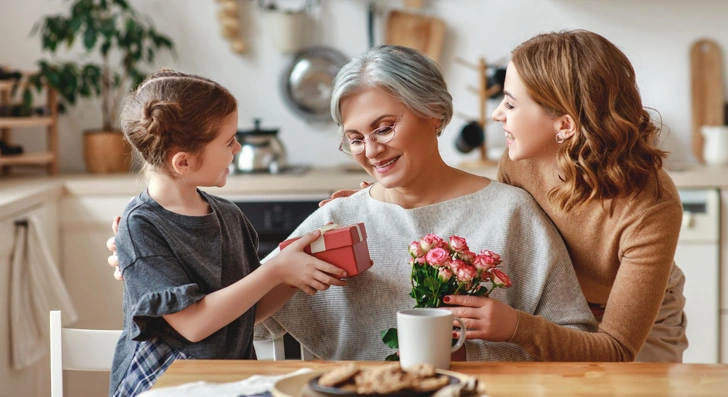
(174,111)
(614,151)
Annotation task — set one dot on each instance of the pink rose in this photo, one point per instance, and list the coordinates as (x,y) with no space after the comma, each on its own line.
(420,260)
(444,273)
(430,241)
(496,257)
(465,273)
(484,262)
(458,244)
(500,279)
(437,257)
(416,250)
(467,256)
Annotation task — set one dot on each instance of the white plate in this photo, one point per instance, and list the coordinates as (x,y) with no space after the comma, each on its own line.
(292,386)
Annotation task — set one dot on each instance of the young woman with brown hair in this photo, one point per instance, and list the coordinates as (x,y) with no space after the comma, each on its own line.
(581,143)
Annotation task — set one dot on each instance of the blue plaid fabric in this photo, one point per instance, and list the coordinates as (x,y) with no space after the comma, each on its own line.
(151,359)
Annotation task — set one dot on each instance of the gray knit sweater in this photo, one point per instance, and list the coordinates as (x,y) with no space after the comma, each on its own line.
(344,323)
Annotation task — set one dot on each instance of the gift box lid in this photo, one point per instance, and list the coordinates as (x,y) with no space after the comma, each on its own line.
(342,236)
(335,236)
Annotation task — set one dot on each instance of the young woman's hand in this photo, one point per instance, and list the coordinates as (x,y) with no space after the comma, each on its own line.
(343,193)
(111,245)
(294,267)
(485,318)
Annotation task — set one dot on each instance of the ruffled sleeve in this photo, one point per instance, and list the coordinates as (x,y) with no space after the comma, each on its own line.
(156,286)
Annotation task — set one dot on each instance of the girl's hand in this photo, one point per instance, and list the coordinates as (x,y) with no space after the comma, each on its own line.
(111,245)
(485,318)
(343,193)
(294,267)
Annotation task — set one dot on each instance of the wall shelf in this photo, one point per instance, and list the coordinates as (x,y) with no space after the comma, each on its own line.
(40,158)
(22,122)
(47,158)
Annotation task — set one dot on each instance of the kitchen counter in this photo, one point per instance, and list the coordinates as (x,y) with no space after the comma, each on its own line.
(18,193)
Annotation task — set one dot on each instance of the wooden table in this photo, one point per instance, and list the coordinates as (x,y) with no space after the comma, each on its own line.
(505,379)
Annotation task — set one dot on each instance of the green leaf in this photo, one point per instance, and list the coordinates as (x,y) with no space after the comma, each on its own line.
(392,357)
(389,337)
(121,3)
(89,38)
(27,98)
(431,283)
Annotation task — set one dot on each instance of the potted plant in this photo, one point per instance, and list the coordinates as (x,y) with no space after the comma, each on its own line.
(116,40)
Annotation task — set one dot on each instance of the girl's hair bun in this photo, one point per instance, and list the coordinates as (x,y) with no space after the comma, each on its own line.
(158,116)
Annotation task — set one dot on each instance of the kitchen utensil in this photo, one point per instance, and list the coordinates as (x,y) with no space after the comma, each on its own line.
(261,151)
(470,137)
(294,385)
(416,31)
(484,92)
(715,150)
(335,391)
(286,29)
(706,69)
(308,80)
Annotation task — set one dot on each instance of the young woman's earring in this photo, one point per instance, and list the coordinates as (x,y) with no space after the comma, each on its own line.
(559,138)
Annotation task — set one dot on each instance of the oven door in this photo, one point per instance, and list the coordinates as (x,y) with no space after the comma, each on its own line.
(274,217)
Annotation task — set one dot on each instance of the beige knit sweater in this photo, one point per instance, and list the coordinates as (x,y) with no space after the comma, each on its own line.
(623,260)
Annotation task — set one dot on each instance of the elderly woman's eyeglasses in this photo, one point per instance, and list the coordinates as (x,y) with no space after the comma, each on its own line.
(356,145)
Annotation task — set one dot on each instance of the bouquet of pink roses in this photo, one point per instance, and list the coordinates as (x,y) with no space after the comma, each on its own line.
(441,268)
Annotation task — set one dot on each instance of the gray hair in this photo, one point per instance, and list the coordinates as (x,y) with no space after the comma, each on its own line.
(409,75)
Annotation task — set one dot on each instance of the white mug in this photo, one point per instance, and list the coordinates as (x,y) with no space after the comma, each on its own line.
(715,148)
(425,336)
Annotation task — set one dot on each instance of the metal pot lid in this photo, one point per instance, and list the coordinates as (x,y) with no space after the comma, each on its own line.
(309,79)
(257,130)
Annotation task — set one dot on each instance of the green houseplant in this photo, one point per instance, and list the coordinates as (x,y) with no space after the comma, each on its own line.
(116,40)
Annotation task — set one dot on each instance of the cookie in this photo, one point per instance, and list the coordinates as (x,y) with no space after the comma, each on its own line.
(421,370)
(430,384)
(338,376)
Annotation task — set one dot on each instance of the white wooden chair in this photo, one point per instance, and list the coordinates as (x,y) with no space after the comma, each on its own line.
(275,350)
(78,350)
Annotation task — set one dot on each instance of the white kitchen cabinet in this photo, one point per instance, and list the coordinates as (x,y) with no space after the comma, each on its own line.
(697,255)
(35,380)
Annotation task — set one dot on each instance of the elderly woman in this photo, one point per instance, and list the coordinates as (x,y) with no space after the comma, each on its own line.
(391,104)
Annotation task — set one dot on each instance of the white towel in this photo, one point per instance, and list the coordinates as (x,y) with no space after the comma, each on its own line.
(255,385)
(36,288)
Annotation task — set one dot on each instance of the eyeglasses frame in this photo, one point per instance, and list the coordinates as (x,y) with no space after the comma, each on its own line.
(369,137)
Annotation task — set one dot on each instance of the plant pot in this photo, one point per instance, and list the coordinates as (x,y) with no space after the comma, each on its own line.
(106,152)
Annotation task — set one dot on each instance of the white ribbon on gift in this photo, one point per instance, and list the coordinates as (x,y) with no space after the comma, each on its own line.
(319,245)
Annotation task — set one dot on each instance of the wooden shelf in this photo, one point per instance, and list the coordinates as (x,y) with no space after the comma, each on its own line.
(37,158)
(47,158)
(22,122)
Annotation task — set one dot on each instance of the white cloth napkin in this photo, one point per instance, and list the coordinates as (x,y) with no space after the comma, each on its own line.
(256,384)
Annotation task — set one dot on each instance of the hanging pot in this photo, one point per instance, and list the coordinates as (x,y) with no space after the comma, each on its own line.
(308,81)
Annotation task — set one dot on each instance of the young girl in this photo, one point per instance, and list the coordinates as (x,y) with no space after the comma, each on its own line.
(194,287)
(580,141)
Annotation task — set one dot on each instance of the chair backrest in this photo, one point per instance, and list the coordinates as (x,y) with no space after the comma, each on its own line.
(78,350)
(275,350)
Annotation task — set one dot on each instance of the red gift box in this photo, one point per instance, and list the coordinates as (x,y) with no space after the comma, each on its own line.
(342,246)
